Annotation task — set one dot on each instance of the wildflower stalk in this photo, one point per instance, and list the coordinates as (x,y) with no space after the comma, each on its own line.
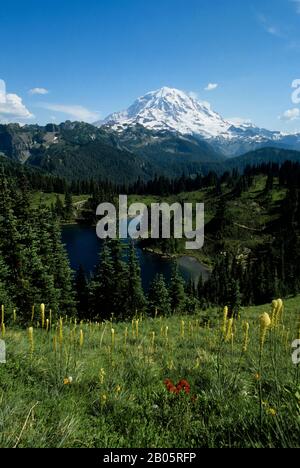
(125,337)
(222,339)
(246,337)
(43,315)
(112,339)
(225,317)
(153,340)
(265,324)
(279,311)
(273,313)
(137,328)
(81,339)
(31,340)
(102,376)
(229,333)
(61,332)
(167,334)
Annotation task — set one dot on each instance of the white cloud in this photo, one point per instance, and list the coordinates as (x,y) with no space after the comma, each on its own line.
(11,106)
(211,86)
(291,114)
(77,112)
(39,91)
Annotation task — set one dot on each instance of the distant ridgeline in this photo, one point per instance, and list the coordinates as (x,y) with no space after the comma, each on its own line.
(79,151)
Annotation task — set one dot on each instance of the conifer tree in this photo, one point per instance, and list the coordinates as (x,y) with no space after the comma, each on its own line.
(102,287)
(120,278)
(136,301)
(234,298)
(68,208)
(159,297)
(59,207)
(177,291)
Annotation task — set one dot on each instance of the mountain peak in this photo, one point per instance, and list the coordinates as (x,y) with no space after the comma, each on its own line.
(173,110)
(166,92)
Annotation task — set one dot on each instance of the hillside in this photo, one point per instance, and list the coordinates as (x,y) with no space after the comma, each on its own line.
(245,228)
(73,151)
(263,155)
(69,385)
(79,151)
(82,151)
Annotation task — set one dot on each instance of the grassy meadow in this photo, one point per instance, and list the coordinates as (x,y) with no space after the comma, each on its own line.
(68,384)
(247,226)
(49,199)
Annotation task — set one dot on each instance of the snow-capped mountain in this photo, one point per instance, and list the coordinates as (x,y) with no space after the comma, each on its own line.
(174,110)
(169,109)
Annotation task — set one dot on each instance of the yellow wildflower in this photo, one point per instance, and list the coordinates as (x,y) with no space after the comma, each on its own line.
(81,339)
(43,315)
(30,336)
(265,323)
(68,380)
(102,376)
(225,317)
(229,334)
(272,412)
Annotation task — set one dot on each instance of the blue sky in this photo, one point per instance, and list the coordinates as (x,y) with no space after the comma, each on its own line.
(87,58)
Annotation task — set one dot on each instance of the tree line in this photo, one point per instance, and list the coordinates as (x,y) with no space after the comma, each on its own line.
(34,267)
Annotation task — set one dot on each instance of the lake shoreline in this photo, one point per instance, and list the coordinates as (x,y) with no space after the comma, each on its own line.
(83,248)
(178,256)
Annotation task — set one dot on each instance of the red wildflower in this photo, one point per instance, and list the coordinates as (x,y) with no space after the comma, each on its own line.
(183,385)
(170,386)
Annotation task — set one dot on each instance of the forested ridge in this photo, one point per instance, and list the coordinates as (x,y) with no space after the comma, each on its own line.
(254,256)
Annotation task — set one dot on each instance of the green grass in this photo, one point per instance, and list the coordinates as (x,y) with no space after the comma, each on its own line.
(49,199)
(129,405)
(248,216)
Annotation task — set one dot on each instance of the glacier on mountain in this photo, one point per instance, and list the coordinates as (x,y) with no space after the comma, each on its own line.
(169,109)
